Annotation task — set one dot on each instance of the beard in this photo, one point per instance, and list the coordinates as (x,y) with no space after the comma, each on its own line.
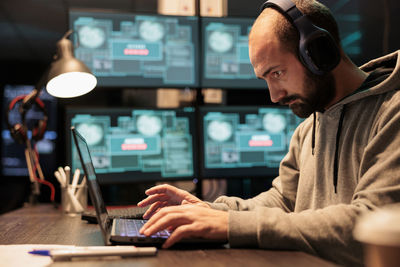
(319,92)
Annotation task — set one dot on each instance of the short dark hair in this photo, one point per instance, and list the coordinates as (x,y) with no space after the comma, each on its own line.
(319,15)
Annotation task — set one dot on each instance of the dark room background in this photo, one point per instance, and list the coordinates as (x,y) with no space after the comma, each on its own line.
(29,30)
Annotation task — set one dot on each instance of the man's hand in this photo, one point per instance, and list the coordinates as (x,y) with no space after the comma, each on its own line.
(166,195)
(188,221)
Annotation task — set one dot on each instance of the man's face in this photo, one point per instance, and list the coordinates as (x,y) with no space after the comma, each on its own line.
(318,93)
(289,82)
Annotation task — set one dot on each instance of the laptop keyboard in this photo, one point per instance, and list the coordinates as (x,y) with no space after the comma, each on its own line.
(125,213)
(128,227)
(129,213)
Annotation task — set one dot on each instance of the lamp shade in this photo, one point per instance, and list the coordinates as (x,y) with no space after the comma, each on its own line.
(68,76)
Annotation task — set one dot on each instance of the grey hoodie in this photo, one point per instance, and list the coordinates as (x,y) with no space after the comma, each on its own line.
(355,167)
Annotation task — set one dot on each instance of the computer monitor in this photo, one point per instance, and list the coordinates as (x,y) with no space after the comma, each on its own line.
(136,145)
(244,141)
(134,50)
(225,55)
(12,153)
(349,16)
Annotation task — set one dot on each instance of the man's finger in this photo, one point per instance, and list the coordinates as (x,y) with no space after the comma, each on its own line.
(180,232)
(149,215)
(152,199)
(157,223)
(163,220)
(151,210)
(154,208)
(158,189)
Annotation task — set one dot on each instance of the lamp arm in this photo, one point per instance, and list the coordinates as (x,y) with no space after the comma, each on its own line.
(30,98)
(67,34)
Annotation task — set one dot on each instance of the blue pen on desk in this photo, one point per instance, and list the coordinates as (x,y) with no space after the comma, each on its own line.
(40,252)
(95,251)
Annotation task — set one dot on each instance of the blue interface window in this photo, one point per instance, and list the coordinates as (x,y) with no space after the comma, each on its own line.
(124,49)
(136,144)
(245,141)
(226,62)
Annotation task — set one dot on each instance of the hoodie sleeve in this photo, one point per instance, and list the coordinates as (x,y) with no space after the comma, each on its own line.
(267,221)
(270,198)
(282,194)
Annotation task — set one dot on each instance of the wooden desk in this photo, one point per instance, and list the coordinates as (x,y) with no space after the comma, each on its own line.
(43,224)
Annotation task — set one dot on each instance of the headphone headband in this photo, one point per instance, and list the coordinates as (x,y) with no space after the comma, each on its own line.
(286,7)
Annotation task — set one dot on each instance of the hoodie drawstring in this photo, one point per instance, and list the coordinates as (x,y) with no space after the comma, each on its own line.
(336,162)
(313,135)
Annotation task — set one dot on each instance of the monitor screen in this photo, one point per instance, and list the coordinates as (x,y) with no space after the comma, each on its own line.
(225,54)
(12,153)
(133,50)
(244,141)
(136,145)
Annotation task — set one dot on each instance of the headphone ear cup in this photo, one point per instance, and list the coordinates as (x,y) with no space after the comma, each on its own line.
(18,133)
(39,130)
(324,54)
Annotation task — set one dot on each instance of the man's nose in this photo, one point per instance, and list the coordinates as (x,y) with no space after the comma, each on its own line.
(276,94)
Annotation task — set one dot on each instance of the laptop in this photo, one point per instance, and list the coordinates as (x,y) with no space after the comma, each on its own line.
(120,230)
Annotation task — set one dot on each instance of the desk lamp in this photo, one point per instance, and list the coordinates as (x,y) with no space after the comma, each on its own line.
(66,77)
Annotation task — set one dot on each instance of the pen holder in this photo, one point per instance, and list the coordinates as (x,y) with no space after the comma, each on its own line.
(74,199)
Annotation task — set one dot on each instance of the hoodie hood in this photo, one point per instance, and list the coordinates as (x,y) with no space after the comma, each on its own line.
(389,66)
(382,77)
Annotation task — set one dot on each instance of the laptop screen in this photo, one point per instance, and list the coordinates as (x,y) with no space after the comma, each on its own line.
(94,188)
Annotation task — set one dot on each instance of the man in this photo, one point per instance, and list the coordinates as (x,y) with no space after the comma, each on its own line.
(343,160)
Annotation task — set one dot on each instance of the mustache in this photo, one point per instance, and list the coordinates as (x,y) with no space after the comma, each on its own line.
(285,101)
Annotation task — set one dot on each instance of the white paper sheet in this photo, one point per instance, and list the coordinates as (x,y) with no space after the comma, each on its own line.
(17,255)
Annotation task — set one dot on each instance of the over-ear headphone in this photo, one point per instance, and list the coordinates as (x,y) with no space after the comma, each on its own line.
(18,131)
(317,48)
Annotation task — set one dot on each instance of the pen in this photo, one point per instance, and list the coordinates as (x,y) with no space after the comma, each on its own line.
(63,175)
(123,251)
(75,178)
(60,179)
(67,171)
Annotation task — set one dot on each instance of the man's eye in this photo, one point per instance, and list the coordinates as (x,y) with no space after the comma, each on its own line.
(277,74)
